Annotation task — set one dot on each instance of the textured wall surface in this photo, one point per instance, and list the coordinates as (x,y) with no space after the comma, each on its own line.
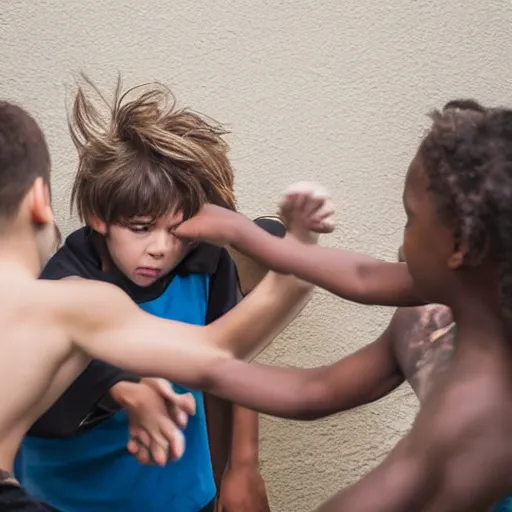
(327,90)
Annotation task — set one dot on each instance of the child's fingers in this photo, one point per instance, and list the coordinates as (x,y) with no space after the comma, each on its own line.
(139,445)
(324,226)
(287,204)
(175,439)
(327,210)
(133,446)
(159,453)
(293,196)
(312,205)
(140,436)
(178,415)
(143,456)
(164,388)
(187,403)
(180,409)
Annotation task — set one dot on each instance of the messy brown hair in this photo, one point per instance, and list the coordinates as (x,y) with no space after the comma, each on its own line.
(24,157)
(141,156)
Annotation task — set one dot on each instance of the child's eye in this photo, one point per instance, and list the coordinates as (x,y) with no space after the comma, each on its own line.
(140,229)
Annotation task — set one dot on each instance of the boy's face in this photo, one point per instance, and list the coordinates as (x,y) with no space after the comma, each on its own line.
(145,250)
(401,257)
(428,246)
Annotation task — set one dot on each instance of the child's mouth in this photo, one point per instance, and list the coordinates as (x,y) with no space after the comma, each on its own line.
(148,271)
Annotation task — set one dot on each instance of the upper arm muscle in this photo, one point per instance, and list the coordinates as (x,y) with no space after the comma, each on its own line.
(106,324)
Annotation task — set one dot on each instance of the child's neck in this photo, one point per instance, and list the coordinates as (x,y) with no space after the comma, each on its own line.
(481,330)
(101,249)
(19,255)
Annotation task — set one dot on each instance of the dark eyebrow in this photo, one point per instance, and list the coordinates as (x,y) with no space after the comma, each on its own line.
(141,222)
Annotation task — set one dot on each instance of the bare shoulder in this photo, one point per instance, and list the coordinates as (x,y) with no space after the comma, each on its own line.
(73,292)
(30,319)
(77,302)
(428,317)
(415,328)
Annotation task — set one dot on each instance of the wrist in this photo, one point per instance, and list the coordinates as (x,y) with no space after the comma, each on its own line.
(247,461)
(235,229)
(123,392)
(305,237)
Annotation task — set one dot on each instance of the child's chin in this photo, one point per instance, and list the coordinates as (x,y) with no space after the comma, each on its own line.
(143,281)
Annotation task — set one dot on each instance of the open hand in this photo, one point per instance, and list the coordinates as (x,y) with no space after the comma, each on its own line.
(306,209)
(156,415)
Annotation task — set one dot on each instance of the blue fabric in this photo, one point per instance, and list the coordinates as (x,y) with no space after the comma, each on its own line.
(94,472)
(504,506)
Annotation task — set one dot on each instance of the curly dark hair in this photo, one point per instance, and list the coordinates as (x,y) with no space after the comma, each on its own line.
(468,159)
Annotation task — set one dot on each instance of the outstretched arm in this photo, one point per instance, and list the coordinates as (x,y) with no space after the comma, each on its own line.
(107,325)
(104,323)
(305,394)
(349,275)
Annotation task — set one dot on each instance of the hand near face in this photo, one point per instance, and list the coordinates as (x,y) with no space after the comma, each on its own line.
(305,208)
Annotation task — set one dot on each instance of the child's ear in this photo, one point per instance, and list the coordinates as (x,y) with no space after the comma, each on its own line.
(456,260)
(97,225)
(40,202)
(463,256)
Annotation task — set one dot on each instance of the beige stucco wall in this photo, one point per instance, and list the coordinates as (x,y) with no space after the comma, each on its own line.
(327,90)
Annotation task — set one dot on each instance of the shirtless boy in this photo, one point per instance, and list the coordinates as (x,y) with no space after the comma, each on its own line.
(74,321)
(458,252)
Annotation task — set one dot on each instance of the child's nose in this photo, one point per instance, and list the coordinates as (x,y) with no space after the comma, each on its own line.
(160,244)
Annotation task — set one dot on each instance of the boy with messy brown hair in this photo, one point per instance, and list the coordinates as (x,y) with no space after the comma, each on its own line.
(144,167)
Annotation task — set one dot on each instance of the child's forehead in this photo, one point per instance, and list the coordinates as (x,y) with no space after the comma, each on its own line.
(171,218)
(416,178)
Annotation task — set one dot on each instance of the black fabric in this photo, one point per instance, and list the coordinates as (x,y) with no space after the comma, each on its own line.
(209,508)
(14,498)
(223,289)
(87,401)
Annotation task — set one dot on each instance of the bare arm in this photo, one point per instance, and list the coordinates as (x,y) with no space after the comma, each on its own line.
(432,472)
(107,325)
(402,483)
(347,274)
(245,441)
(357,379)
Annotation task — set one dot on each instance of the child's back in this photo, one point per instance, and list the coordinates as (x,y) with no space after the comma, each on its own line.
(37,362)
